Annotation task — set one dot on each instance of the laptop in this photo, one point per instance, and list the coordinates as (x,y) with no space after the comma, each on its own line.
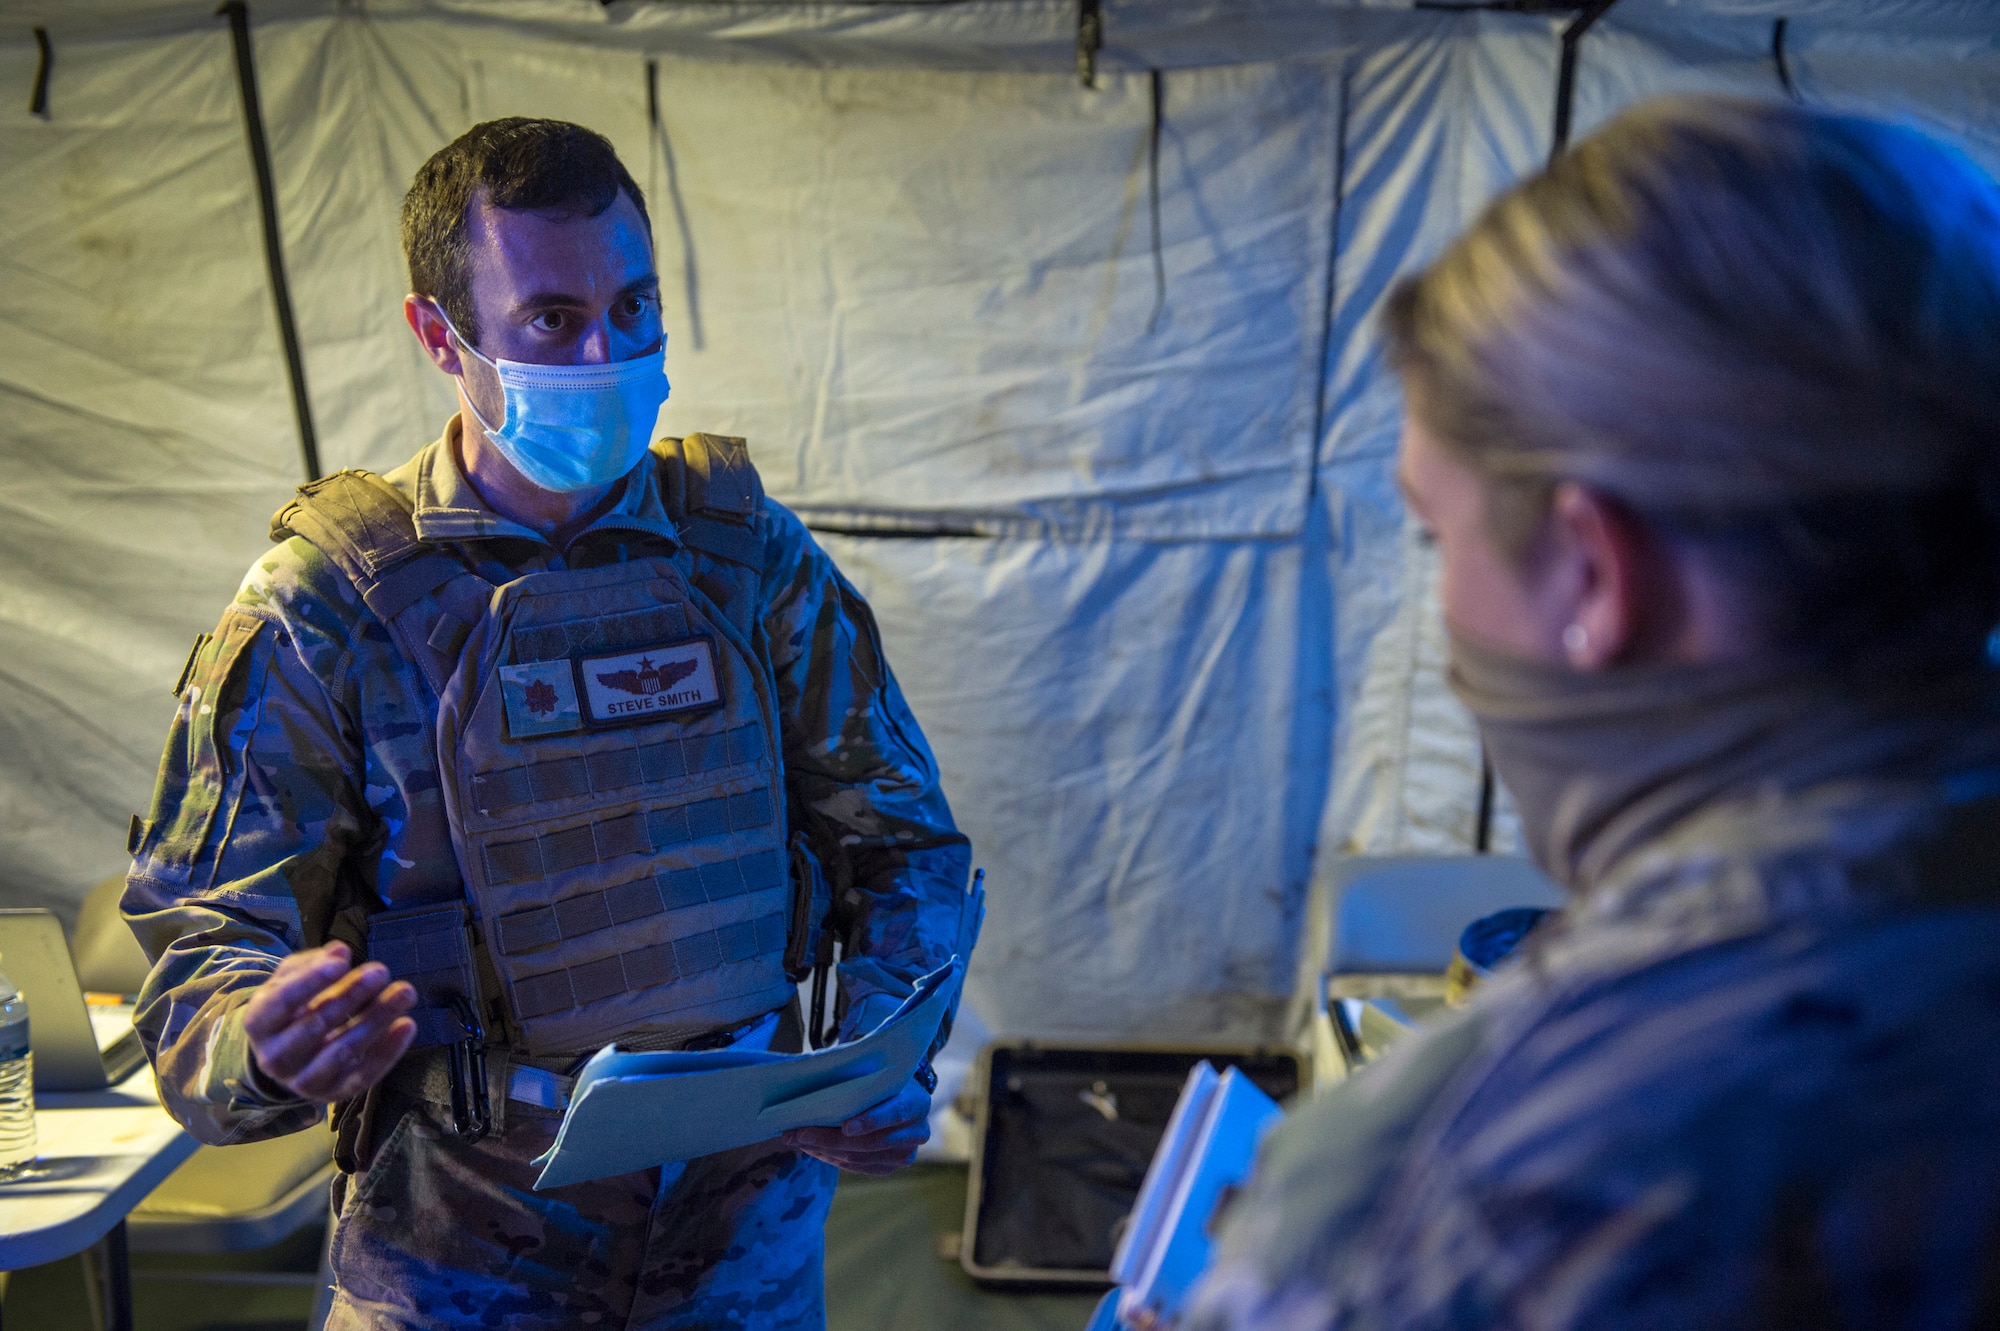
(77,1046)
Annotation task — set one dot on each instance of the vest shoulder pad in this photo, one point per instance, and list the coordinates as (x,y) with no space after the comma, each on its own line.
(713,495)
(710,476)
(368,528)
(362,522)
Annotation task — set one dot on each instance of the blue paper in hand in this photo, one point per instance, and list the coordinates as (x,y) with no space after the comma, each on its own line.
(635,1111)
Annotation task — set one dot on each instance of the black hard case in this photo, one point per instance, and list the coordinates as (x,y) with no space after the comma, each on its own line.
(1053,1175)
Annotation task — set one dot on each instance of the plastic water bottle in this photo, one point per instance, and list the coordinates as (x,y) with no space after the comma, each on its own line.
(17,1083)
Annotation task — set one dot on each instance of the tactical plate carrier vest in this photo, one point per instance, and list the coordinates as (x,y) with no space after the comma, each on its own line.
(608,747)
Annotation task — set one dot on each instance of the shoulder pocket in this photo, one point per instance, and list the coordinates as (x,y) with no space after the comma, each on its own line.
(204,754)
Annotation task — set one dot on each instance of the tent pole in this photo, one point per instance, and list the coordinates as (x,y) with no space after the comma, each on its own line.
(1153,195)
(1566,72)
(664,155)
(1482,825)
(1330,297)
(45,59)
(238,14)
(1089,40)
(1784,65)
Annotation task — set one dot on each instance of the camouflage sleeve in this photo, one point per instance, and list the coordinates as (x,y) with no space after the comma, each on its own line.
(255,807)
(860,780)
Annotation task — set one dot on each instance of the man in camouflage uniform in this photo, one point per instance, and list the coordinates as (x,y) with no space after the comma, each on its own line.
(319,780)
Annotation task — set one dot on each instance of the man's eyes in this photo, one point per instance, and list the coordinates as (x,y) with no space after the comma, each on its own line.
(629,309)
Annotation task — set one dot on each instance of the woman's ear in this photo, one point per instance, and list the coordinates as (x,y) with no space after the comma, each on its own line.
(1599,587)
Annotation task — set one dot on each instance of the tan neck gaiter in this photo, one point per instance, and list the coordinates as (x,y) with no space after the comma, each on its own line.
(1600,763)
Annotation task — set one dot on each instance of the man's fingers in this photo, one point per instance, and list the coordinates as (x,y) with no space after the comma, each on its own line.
(881,1138)
(880,1165)
(832,1146)
(287,1051)
(315,1031)
(289,1055)
(345,998)
(358,1056)
(913,1134)
(293,984)
(377,1059)
(876,1152)
(908,1105)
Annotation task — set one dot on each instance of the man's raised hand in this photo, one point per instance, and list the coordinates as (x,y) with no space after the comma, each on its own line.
(326,1030)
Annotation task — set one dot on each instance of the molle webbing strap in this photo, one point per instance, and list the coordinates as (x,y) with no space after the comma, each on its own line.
(367,527)
(648,967)
(642,833)
(670,889)
(665,759)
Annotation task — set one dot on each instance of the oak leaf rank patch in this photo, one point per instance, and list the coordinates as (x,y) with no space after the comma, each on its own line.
(540,698)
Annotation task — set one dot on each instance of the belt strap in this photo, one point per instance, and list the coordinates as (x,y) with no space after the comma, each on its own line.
(538,1086)
(425,1074)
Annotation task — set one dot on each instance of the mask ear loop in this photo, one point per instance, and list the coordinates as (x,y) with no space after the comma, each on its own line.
(473,351)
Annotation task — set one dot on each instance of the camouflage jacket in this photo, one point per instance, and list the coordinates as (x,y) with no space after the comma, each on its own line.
(1754,1081)
(299,785)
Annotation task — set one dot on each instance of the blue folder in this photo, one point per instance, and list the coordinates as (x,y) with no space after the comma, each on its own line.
(1205,1155)
(635,1111)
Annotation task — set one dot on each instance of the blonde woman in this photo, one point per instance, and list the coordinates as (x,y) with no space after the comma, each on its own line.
(1705,423)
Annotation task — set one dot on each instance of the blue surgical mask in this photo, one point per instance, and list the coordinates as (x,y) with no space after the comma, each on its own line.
(575,427)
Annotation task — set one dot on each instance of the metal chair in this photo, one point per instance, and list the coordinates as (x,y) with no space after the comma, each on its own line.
(1380,934)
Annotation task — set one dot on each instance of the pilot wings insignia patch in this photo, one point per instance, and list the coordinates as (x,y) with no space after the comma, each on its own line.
(645,685)
(649,678)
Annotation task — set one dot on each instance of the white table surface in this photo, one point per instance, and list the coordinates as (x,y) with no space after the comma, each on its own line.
(99,1154)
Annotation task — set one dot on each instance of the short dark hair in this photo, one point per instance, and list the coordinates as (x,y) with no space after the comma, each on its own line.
(523,164)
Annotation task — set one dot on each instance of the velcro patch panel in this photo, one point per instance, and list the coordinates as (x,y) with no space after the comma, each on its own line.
(610,633)
(647,967)
(661,760)
(670,889)
(631,834)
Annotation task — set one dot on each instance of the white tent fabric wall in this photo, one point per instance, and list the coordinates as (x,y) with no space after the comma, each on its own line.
(1173,645)
(925,297)
(145,429)
(1437,125)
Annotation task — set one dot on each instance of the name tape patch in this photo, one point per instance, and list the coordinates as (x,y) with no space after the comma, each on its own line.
(636,686)
(540,699)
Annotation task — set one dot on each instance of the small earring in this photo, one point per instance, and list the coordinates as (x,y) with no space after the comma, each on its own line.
(1576,640)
